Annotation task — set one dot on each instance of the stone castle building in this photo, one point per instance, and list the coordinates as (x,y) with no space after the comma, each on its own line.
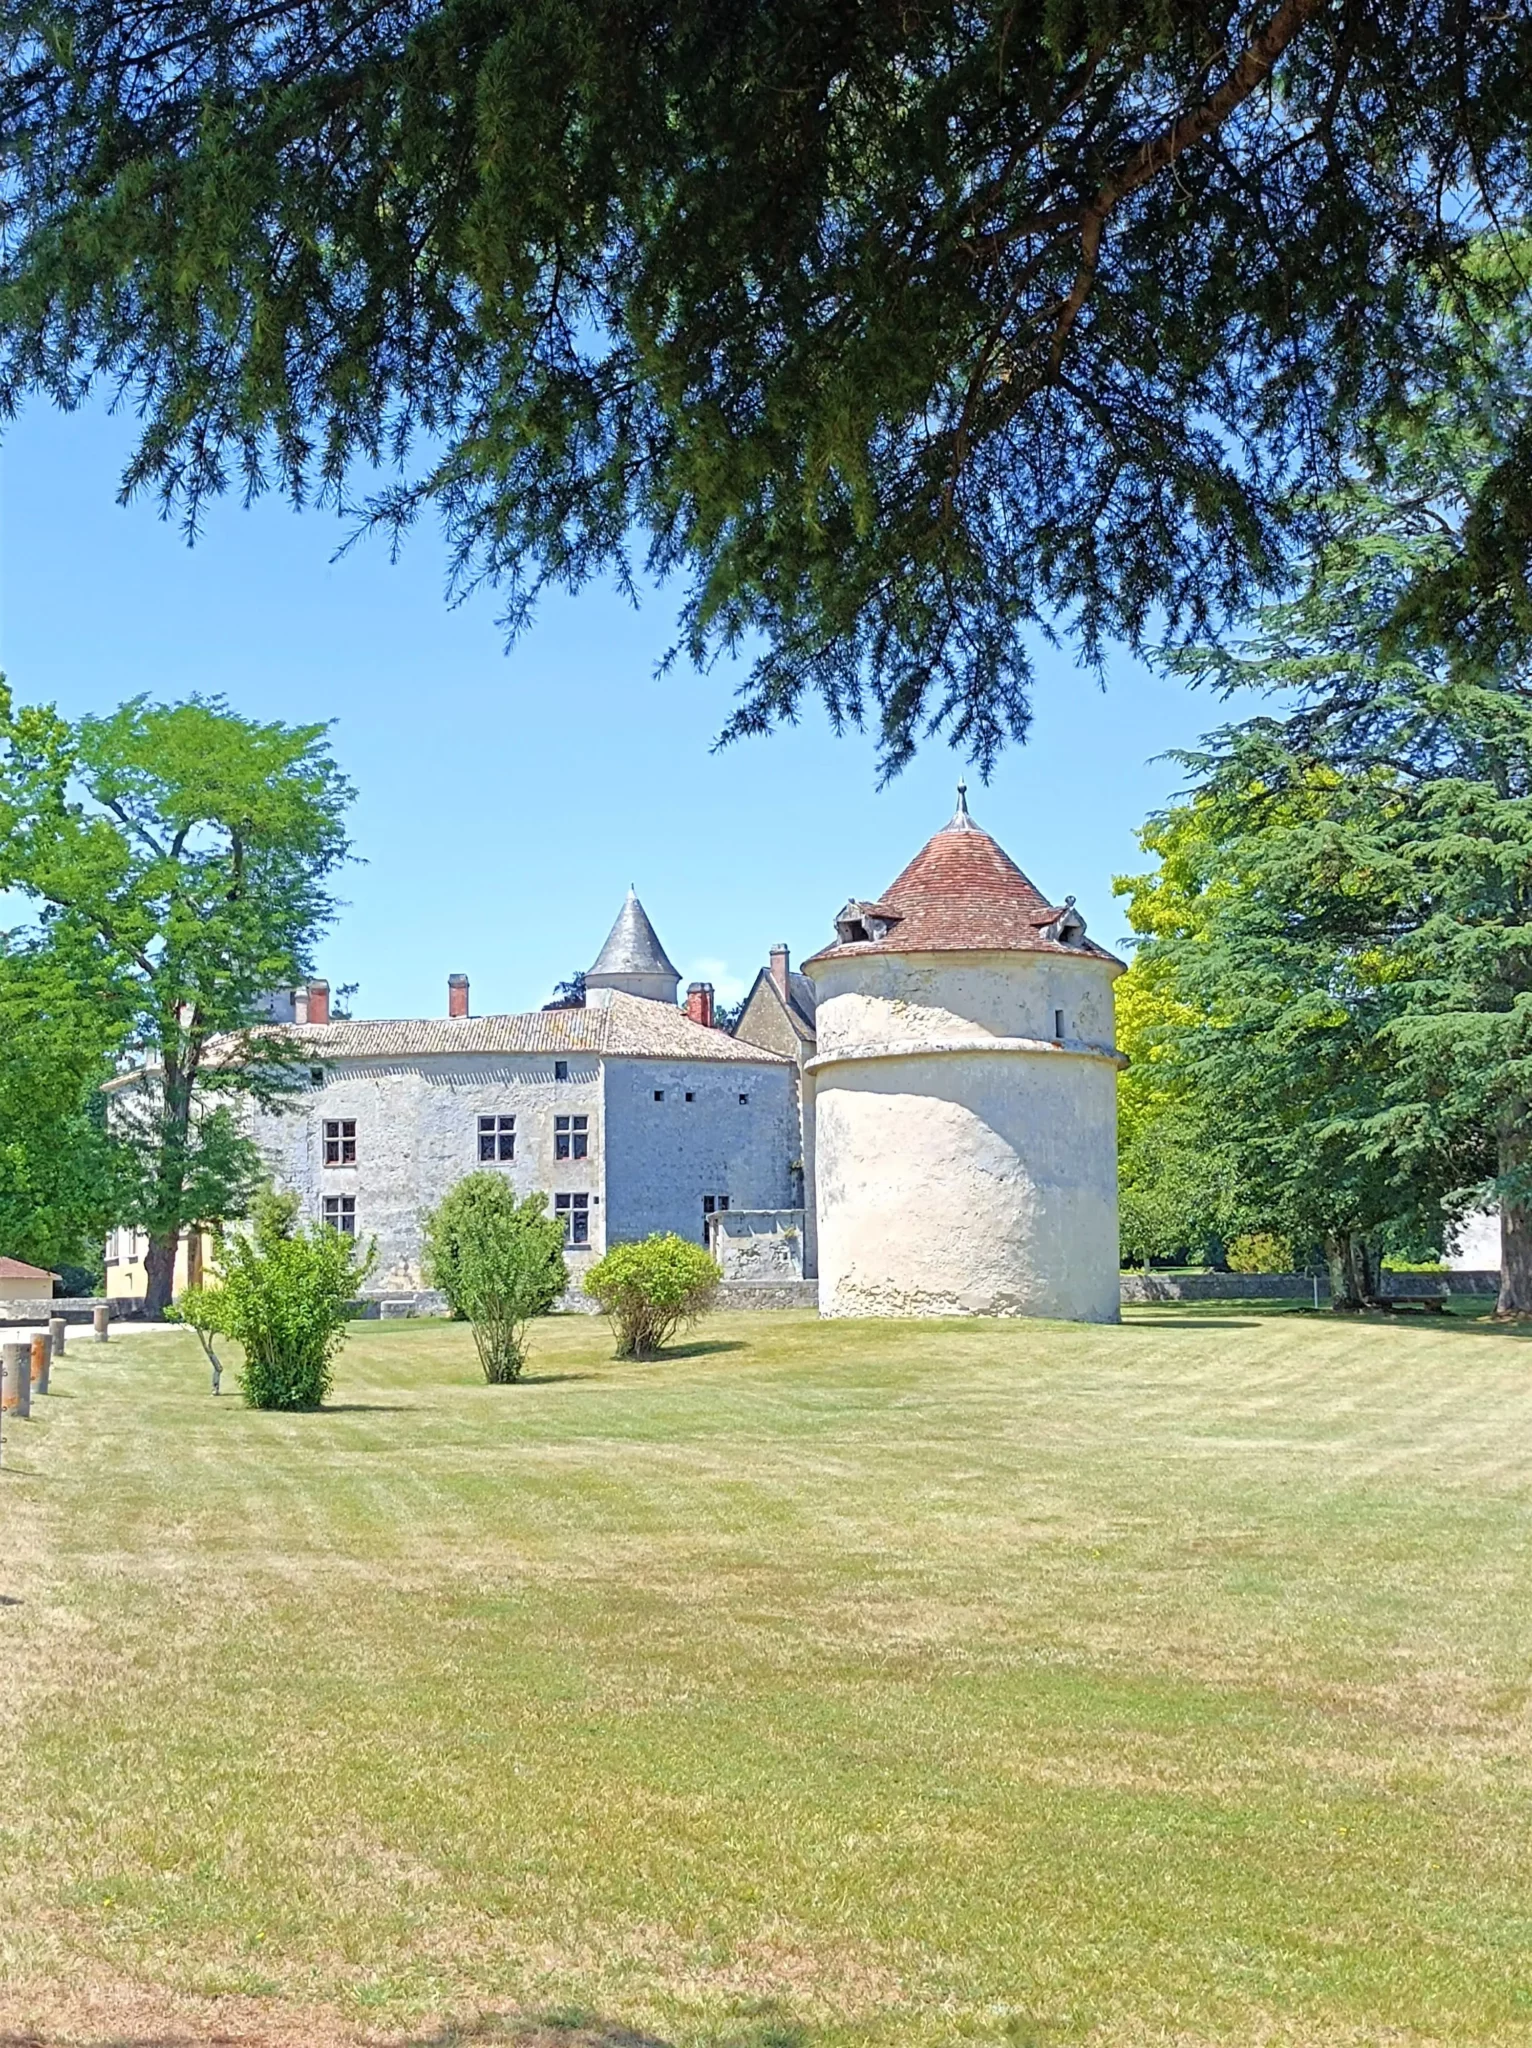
(924,1117)
(965,1102)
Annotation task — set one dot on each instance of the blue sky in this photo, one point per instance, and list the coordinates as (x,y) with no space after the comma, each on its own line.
(507,800)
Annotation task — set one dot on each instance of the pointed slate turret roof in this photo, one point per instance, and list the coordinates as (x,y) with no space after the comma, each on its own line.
(632,945)
(962,893)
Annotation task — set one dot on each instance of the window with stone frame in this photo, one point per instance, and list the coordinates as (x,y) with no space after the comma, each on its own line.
(340,1141)
(571,1137)
(340,1213)
(497,1139)
(574,1210)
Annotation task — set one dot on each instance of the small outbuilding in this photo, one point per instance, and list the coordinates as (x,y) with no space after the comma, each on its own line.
(965,1098)
(21,1282)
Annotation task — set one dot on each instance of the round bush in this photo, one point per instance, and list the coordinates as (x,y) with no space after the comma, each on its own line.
(651,1289)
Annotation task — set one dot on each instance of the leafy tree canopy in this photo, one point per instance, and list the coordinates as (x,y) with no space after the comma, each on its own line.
(58,1184)
(897,331)
(178,858)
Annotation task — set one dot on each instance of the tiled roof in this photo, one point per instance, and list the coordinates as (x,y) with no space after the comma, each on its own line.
(18,1269)
(962,893)
(620,1026)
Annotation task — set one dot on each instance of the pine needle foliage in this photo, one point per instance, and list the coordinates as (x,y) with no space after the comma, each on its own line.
(898,334)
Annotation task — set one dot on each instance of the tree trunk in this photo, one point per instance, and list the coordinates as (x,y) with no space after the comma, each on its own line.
(160,1274)
(1353,1270)
(1515,1234)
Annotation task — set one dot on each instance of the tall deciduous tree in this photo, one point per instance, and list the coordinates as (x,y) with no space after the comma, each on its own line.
(178,857)
(58,1187)
(897,330)
(1281,1048)
(1173,1181)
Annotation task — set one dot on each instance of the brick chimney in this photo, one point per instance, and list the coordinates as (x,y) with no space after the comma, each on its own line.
(779,971)
(699,1002)
(319,1002)
(457,995)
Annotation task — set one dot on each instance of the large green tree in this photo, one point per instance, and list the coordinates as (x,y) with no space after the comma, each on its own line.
(896,330)
(178,858)
(58,1186)
(1270,919)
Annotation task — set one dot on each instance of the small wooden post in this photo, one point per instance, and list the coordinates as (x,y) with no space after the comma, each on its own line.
(100,1316)
(16,1377)
(41,1361)
(56,1328)
(15,1357)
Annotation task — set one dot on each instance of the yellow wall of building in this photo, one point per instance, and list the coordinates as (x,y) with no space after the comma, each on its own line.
(127,1251)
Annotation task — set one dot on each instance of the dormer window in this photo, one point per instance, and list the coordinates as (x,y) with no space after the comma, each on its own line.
(862,924)
(1062,927)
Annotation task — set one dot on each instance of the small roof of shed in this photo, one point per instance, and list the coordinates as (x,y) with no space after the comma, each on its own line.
(962,893)
(18,1269)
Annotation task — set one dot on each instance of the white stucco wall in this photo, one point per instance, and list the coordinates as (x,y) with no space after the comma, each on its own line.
(663,1157)
(966,1153)
(417,1134)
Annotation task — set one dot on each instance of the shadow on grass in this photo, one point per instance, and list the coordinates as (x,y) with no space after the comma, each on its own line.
(347,1408)
(509,2030)
(551,1379)
(521,2030)
(697,1350)
(1191,1322)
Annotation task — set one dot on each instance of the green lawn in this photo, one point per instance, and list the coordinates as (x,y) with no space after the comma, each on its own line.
(822,1685)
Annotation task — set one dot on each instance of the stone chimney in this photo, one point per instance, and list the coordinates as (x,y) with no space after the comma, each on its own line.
(699,1002)
(319,1002)
(300,1006)
(779,971)
(457,995)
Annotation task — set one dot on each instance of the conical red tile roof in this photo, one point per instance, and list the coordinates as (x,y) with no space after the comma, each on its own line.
(962,893)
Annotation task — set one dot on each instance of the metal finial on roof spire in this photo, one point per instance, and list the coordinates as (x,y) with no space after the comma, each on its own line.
(961,822)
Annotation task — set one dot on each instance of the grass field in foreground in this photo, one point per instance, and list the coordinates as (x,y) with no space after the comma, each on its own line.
(824,1684)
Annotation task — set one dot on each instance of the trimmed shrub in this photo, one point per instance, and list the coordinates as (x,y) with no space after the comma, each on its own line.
(1260,1251)
(499,1262)
(283,1295)
(651,1289)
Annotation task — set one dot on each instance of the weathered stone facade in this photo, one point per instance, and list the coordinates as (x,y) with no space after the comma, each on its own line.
(673,1115)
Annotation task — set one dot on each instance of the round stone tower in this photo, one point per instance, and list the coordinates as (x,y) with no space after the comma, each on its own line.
(965,1097)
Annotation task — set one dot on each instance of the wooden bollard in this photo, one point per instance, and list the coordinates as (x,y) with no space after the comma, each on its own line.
(56,1328)
(16,1377)
(100,1316)
(41,1361)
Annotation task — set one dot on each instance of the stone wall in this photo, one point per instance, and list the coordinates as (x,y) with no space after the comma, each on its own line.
(1151,1287)
(74,1308)
(700,1138)
(647,1166)
(758,1244)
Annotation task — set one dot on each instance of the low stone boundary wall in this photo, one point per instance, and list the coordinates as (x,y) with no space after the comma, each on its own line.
(764,1294)
(74,1308)
(1141,1288)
